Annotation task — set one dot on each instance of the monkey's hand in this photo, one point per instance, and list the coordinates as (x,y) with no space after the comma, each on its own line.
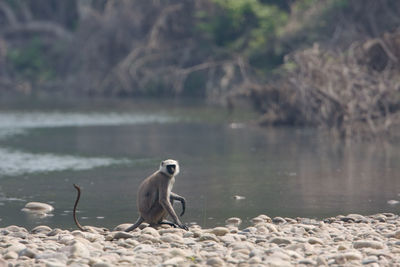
(183,207)
(182,226)
(177,197)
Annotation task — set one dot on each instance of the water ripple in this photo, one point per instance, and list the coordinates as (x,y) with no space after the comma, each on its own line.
(14,162)
(17,120)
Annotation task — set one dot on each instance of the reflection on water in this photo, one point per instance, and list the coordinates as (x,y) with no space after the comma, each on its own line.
(279,172)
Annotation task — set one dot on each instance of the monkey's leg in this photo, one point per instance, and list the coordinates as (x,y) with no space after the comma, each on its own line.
(167,223)
(177,197)
(136,224)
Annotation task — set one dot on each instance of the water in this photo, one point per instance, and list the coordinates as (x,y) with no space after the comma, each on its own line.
(109,147)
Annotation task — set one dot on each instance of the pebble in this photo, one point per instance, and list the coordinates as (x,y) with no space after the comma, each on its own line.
(351,240)
(123,235)
(367,244)
(278,220)
(41,229)
(215,261)
(280,241)
(173,261)
(314,240)
(220,231)
(150,231)
(172,238)
(38,207)
(234,221)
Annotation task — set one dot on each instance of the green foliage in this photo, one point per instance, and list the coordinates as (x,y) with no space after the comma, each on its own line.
(243,26)
(257,28)
(30,62)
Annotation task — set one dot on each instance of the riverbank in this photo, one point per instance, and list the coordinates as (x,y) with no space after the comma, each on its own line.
(343,240)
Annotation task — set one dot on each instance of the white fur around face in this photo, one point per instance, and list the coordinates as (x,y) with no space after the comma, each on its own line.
(163,166)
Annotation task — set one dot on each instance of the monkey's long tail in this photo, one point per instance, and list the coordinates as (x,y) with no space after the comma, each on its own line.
(75,205)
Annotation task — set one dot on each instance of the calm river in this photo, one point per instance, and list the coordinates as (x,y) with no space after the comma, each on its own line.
(109,147)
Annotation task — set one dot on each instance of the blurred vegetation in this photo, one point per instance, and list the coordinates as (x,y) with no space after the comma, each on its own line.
(30,63)
(277,53)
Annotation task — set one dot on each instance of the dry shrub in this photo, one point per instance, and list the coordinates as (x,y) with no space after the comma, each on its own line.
(355,92)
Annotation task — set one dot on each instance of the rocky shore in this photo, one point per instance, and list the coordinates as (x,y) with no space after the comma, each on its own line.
(352,240)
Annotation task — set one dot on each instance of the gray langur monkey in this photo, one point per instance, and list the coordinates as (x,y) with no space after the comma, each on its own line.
(155,198)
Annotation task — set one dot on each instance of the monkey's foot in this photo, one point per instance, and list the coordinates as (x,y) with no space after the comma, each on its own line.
(168,223)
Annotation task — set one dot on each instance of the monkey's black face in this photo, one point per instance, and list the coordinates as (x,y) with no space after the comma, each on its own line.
(171,168)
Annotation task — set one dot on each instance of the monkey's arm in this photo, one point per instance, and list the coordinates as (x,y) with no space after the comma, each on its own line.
(166,204)
(173,196)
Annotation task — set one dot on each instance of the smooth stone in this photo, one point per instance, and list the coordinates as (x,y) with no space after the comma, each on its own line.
(123,235)
(20,235)
(11,255)
(93,237)
(60,257)
(144,248)
(370,259)
(172,238)
(220,231)
(355,218)
(342,257)
(172,230)
(38,207)
(276,262)
(321,261)
(79,250)
(266,218)
(280,241)
(338,239)
(307,262)
(53,263)
(41,229)
(367,244)
(188,234)
(215,261)
(146,238)
(255,260)
(27,253)
(15,229)
(271,227)
(15,247)
(249,230)
(395,234)
(229,238)
(101,264)
(278,220)
(234,221)
(241,245)
(174,261)
(314,240)
(256,220)
(65,239)
(54,232)
(150,231)
(208,236)
(122,227)
(174,252)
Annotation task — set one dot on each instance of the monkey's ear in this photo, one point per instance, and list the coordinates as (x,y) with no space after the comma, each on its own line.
(162,163)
